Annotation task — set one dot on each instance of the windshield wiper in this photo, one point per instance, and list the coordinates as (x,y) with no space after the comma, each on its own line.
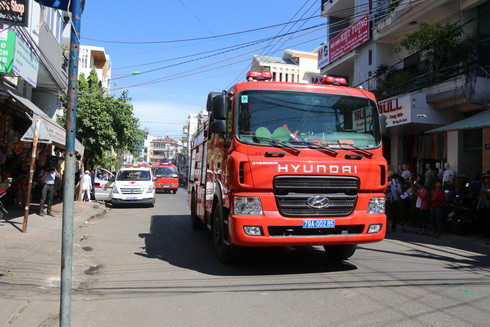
(367,153)
(278,143)
(317,146)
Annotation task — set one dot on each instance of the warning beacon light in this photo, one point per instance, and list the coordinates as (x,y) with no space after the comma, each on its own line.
(258,76)
(334,80)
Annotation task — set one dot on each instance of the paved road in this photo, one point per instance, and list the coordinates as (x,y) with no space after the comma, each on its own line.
(406,280)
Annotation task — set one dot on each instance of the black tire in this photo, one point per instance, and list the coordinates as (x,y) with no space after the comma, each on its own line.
(224,250)
(175,191)
(340,252)
(196,223)
(152,203)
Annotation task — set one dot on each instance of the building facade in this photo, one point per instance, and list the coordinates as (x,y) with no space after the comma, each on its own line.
(428,104)
(33,79)
(294,66)
(162,150)
(95,57)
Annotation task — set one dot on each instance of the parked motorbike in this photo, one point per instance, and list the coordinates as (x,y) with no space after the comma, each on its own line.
(461,213)
(2,208)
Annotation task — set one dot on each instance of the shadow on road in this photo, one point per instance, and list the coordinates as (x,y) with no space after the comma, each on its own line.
(172,239)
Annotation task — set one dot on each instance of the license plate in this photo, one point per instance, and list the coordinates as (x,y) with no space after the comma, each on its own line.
(131,198)
(319,223)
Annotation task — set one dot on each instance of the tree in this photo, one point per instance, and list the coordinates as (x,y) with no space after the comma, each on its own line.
(105,122)
(441,45)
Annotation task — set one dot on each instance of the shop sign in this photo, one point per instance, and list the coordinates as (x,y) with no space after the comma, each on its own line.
(323,57)
(26,64)
(352,37)
(397,110)
(315,79)
(7,48)
(14,12)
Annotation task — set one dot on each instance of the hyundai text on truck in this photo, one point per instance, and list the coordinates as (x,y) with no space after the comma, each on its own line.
(289,164)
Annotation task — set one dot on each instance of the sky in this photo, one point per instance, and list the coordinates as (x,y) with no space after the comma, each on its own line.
(184,49)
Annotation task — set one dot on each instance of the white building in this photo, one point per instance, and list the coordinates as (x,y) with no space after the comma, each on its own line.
(95,57)
(364,40)
(294,66)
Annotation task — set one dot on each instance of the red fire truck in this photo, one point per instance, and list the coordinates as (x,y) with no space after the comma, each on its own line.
(167,178)
(289,164)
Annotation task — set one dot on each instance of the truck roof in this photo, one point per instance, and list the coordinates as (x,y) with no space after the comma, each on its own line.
(303,87)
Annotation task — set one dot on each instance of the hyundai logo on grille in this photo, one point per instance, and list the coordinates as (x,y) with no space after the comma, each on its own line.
(317,202)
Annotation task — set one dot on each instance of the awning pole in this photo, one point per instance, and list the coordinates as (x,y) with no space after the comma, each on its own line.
(31,174)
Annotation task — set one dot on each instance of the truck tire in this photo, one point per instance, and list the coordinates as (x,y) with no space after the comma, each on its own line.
(224,250)
(196,223)
(175,191)
(340,252)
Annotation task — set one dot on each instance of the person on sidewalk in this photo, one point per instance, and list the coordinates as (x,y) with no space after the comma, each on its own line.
(437,198)
(423,204)
(483,206)
(86,186)
(48,179)
(395,190)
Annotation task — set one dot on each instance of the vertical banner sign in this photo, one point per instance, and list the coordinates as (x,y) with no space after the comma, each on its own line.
(14,12)
(7,47)
(323,57)
(26,64)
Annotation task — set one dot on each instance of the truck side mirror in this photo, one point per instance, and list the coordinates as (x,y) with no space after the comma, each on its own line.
(218,126)
(382,124)
(219,107)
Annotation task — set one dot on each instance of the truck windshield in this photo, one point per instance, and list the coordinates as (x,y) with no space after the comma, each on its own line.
(133,175)
(302,119)
(166,172)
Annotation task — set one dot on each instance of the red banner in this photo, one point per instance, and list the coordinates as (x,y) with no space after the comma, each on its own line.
(352,37)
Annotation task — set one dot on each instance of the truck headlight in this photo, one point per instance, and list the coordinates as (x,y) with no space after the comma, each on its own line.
(376,206)
(247,205)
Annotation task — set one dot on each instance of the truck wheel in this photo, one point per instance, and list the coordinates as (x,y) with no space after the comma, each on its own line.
(175,191)
(196,223)
(340,252)
(225,251)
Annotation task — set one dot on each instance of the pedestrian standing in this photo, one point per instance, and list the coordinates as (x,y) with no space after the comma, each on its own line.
(483,206)
(48,179)
(423,205)
(437,198)
(406,173)
(86,186)
(393,197)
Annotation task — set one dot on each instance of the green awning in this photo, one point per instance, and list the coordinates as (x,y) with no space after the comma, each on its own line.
(480,120)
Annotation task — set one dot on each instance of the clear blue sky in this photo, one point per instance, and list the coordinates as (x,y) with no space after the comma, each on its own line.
(167,95)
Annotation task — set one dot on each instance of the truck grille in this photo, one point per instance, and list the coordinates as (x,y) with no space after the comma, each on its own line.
(298,231)
(315,184)
(132,190)
(293,192)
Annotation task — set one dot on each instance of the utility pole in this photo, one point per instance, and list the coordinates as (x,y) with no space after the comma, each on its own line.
(70,158)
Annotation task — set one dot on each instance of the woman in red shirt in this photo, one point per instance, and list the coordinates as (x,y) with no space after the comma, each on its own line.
(437,197)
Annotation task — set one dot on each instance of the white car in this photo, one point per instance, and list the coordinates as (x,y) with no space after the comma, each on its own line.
(103,184)
(134,185)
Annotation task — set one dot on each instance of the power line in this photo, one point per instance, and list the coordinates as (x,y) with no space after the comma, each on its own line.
(183,74)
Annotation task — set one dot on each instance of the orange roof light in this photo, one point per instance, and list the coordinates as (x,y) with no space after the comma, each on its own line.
(259,76)
(334,80)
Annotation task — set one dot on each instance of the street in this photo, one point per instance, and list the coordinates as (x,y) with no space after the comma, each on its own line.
(407,279)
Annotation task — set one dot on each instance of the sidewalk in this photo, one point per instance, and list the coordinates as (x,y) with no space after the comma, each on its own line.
(14,243)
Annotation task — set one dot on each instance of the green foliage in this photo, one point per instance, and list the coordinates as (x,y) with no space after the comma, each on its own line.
(105,122)
(441,45)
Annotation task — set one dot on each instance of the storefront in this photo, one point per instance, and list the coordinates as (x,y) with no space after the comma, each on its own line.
(408,117)
(17,115)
